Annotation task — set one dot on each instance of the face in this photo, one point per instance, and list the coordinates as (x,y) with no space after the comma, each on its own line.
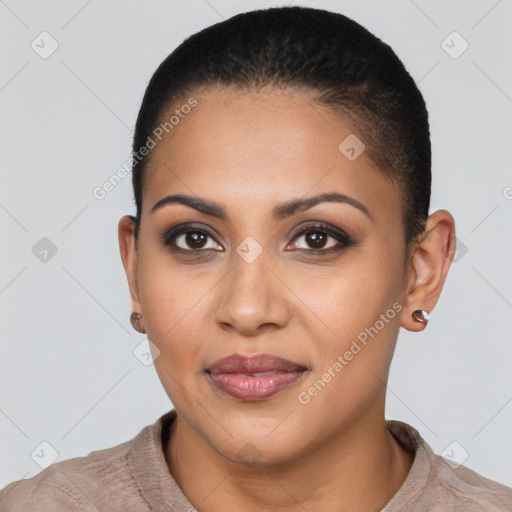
(321,286)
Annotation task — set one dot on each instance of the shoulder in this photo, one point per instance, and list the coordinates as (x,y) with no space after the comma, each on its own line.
(37,495)
(436,484)
(70,485)
(464,489)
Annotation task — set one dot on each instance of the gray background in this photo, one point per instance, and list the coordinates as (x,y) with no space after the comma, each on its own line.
(68,375)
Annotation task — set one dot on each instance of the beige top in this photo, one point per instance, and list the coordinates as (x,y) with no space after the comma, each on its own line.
(133,476)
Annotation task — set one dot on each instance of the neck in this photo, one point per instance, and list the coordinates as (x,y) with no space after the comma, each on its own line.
(360,468)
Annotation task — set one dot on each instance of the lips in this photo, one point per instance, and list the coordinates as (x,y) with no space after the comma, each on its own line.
(255,364)
(254,378)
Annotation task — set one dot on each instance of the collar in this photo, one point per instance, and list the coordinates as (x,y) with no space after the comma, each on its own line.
(161,492)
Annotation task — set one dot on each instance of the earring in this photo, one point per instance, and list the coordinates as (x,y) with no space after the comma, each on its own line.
(421,316)
(135,319)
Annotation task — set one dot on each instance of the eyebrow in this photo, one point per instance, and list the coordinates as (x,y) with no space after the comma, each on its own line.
(279,212)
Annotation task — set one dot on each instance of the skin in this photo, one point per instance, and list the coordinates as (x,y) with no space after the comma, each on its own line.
(250,152)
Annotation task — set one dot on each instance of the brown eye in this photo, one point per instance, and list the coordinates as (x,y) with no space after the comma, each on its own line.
(321,239)
(316,239)
(195,240)
(190,240)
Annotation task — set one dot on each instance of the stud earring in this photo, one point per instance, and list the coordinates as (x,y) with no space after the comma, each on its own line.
(135,319)
(421,316)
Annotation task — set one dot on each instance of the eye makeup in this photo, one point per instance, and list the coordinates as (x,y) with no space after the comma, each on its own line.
(316,233)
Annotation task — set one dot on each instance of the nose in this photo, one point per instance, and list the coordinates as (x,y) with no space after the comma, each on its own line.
(253,299)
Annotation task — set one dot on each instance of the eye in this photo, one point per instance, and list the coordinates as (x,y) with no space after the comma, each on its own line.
(321,238)
(190,239)
(317,239)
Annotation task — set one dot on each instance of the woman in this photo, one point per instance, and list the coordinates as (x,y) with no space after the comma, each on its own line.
(281,174)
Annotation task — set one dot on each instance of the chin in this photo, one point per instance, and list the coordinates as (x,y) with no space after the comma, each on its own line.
(257,446)
(254,454)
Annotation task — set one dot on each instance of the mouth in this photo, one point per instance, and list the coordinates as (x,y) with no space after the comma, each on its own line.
(254,378)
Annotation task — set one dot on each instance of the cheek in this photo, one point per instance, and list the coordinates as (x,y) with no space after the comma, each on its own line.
(354,355)
(174,314)
(173,310)
(346,299)
(359,307)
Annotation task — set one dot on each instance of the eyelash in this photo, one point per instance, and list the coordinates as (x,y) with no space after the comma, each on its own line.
(345,240)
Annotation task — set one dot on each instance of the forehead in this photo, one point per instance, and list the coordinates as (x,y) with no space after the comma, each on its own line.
(269,145)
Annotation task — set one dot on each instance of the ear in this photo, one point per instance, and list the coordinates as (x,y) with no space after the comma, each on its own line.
(428,267)
(129,255)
